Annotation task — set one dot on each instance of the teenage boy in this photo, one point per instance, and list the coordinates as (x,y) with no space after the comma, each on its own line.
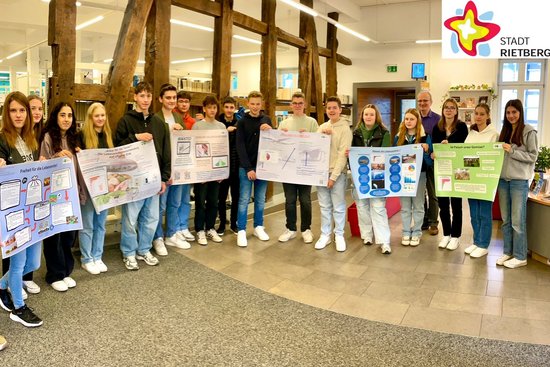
(206,193)
(248,140)
(183,104)
(170,201)
(332,198)
(298,121)
(229,119)
(143,215)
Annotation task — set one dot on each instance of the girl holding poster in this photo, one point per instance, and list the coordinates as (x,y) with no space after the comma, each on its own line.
(481,215)
(18,145)
(520,153)
(450,129)
(411,131)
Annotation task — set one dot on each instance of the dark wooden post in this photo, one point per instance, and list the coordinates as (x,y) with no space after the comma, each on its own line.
(223,35)
(157,48)
(268,68)
(62,39)
(331,65)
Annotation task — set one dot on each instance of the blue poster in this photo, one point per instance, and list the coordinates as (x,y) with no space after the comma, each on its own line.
(37,200)
(386,172)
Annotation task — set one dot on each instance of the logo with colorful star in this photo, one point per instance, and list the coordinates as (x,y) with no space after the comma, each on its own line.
(472,30)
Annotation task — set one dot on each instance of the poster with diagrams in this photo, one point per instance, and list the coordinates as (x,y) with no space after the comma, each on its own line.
(199,156)
(468,170)
(293,157)
(37,200)
(386,172)
(120,175)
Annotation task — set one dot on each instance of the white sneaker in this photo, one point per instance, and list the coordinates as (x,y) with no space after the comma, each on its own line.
(367,241)
(514,263)
(479,252)
(502,259)
(287,235)
(186,235)
(101,266)
(211,234)
(405,240)
(31,286)
(444,242)
(386,249)
(201,238)
(415,241)
(307,236)
(470,249)
(90,268)
(148,258)
(60,286)
(177,241)
(159,247)
(241,239)
(130,263)
(340,243)
(322,242)
(453,244)
(70,282)
(260,233)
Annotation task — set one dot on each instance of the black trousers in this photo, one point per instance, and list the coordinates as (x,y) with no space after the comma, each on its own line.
(293,192)
(6,267)
(58,256)
(451,227)
(230,183)
(431,206)
(206,205)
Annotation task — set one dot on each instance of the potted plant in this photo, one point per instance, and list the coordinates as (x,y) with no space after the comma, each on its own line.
(543,160)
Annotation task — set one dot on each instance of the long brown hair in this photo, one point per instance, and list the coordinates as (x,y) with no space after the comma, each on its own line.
(441,124)
(9,130)
(507,134)
(378,118)
(88,132)
(487,110)
(52,128)
(403,129)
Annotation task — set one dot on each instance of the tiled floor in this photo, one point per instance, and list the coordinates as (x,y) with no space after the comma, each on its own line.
(423,287)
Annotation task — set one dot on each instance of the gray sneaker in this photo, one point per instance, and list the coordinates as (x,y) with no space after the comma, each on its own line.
(130,263)
(148,258)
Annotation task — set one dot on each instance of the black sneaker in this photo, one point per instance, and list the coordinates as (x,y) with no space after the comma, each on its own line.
(220,231)
(5,300)
(25,316)
(235,230)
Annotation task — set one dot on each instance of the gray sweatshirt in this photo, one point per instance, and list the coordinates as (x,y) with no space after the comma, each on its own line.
(519,163)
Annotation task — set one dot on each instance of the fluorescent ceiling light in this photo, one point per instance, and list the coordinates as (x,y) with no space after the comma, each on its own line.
(108,60)
(15,54)
(352,32)
(191,25)
(78,3)
(90,22)
(301,7)
(428,41)
(247,54)
(188,60)
(141,62)
(246,39)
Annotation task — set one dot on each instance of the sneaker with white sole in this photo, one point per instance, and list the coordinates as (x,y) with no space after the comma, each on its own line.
(159,247)
(71,283)
(340,243)
(415,241)
(130,263)
(386,249)
(444,242)
(148,258)
(259,232)
(405,240)
(26,316)
(101,266)
(31,286)
(241,239)
(287,235)
(307,236)
(503,258)
(514,263)
(201,238)
(177,241)
(453,243)
(468,250)
(90,268)
(60,286)
(186,235)
(367,241)
(322,242)
(479,252)
(212,235)
(5,300)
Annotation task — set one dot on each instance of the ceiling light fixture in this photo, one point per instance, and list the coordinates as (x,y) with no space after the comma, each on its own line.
(246,39)
(428,41)
(301,7)
(247,54)
(191,25)
(187,60)
(15,54)
(90,22)
(108,60)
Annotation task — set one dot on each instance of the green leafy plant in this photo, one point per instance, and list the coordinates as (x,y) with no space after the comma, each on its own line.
(543,160)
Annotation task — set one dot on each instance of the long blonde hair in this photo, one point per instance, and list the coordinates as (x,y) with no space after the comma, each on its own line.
(403,129)
(88,132)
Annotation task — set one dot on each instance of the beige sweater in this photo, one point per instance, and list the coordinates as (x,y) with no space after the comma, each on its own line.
(340,141)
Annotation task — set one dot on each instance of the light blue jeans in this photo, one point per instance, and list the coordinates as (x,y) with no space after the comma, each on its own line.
(169,203)
(92,236)
(512,196)
(184,209)
(260,187)
(21,263)
(143,215)
(333,206)
(373,217)
(412,210)
(481,217)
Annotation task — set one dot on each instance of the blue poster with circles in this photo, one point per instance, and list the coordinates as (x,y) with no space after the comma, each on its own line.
(386,172)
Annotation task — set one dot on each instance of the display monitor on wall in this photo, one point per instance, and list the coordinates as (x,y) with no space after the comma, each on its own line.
(418,70)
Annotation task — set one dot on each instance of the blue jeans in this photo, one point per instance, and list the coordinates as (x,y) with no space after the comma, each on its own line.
(412,210)
(512,196)
(184,209)
(260,187)
(481,217)
(169,203)
(92,235)
(333,206)
(373,218)
(143,215)
(21,263)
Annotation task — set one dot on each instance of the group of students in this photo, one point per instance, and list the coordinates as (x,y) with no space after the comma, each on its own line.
(23,139)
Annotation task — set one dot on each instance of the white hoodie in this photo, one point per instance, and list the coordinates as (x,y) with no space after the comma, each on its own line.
(488,135)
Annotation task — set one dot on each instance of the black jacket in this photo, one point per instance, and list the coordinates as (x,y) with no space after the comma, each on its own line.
(248,139)
(233,154)
(375,141)
(457,136)
(11,155)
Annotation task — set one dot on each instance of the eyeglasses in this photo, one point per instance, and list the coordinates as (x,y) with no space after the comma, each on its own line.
(298,103)
(450,108)
(423,100)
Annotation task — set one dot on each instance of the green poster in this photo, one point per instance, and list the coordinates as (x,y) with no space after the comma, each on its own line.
(468,170)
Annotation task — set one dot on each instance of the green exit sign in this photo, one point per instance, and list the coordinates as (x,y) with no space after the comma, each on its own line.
(391,68)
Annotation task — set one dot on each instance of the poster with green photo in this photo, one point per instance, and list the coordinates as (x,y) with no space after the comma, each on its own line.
(468,170)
